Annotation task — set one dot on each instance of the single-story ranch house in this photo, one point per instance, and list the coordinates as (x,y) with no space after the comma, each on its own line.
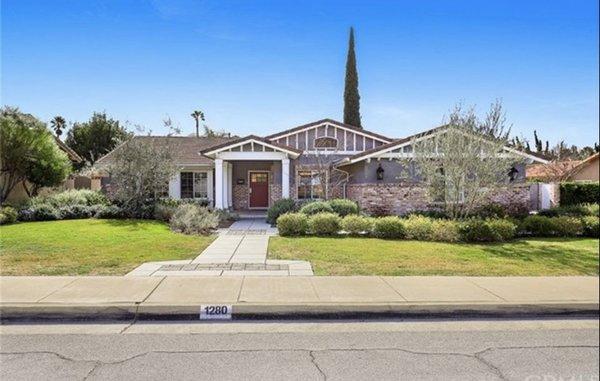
(252,172)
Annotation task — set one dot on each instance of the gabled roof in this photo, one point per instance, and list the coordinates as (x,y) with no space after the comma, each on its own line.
(186,149)
(294,130)
(73,156)
(399,143)
(211,151)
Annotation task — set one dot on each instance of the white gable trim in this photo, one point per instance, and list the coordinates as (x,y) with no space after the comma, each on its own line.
(253,142)
(335,125)
(386,152)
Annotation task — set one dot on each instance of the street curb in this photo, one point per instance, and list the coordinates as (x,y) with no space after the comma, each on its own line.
(247,311)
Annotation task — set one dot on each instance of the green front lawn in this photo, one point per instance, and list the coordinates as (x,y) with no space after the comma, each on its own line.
(366,256)
(91,247)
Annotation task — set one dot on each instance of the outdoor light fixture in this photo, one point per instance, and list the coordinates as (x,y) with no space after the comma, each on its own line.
(380,172)
(512,174)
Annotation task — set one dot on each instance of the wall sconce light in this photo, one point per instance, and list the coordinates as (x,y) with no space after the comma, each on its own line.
(380,172)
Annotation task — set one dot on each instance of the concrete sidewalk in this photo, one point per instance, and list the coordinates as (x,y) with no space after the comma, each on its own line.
(177,297)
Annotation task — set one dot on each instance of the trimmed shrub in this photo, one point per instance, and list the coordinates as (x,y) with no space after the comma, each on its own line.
(490,230)
(577,210)
(591,226)
(476,230)
(445,231)
(163,211)
(193,219)
(343,207)
(418,227)
(504,229)
(579,192)
(538,226)
(71,197)
(324,224)
(566,226)
(279,207)
(316,207)
(72,212)
(292,224)
(8,215)
(388,227)
(491,210)
(541,226)
(109,211)
(431,213)
(356,225)
(44,212)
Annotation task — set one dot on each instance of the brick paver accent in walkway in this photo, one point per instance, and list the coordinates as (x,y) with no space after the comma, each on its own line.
(239,250)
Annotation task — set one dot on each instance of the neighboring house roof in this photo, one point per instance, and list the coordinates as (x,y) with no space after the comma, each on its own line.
(186,149)
(252,139)
(328,121)
(583,164)
(399,143)
(557,170)
(73,156)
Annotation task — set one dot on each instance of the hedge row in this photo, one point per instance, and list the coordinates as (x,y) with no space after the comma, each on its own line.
(572,193)
(429,229)
(340,207)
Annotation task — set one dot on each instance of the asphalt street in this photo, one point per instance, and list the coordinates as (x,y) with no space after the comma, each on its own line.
(343,350)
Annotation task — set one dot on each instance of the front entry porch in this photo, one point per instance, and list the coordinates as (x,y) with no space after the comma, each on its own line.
(251,173)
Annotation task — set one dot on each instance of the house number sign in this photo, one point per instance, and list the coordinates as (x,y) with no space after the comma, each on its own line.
(215,312)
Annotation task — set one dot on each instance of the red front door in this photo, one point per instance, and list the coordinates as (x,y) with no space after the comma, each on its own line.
(259,189)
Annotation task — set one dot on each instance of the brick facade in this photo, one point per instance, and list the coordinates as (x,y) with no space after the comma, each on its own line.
(388,198)
(399,199)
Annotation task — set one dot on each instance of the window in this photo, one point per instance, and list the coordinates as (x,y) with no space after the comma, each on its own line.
(194,184)
(325,143)
(309,185)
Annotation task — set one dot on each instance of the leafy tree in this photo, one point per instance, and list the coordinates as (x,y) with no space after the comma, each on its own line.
(29,154)
(465,163)
(351,96)
(140,171)
(96,137)
(58,124)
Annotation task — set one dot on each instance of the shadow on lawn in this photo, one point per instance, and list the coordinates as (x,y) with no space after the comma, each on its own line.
(534,251)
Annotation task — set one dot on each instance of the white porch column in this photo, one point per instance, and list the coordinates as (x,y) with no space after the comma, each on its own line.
(219,184)
(175,187)
(230,185)
(285,178)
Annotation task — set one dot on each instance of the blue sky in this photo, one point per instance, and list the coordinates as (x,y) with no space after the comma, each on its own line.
(263,66)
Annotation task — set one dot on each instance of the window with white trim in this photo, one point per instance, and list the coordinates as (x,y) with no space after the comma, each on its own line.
(309,185)
(194,184)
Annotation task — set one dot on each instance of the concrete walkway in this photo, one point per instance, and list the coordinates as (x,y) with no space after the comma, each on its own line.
(239,250)
(182,296)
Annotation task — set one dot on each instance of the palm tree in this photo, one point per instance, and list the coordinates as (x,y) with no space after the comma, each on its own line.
(58,123)
(198,116)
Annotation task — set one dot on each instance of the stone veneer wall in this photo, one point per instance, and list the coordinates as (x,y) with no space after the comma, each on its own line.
(274,193)
(240,197)
(380,198)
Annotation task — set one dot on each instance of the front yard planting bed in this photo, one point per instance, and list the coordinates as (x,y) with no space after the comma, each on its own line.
(91,246)
(361,256)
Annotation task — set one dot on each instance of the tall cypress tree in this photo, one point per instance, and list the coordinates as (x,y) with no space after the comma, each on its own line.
(351,96)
